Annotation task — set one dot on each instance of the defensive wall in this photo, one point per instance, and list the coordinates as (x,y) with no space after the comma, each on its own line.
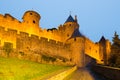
(28,38)
(42,45)
(33,44)
(91,49)
(30,44)
(30,25)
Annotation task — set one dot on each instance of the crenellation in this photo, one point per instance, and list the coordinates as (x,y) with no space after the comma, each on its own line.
(34,36)
(11,31)
(59,43)
(8,16)
(43,39)
(29,38)
(52,41)
(24,34)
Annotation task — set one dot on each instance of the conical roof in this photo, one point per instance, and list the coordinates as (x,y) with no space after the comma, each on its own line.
(70,19)
(102,39)
(76,33)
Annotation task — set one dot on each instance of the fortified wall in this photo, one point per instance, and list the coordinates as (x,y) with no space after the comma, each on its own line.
(65,43)
(22,42)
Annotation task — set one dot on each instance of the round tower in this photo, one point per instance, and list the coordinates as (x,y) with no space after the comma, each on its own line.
(31,22)
(31,17)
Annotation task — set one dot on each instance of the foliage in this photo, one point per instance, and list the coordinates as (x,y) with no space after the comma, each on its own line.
(48,58)
(112,59)
(22,53)
(115,52)
(15,69)
(8,47)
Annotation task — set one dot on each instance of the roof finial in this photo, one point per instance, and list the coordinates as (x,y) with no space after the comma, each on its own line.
(70,12)
(76,18)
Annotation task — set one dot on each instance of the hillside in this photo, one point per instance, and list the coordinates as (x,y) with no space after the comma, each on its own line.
(15,69)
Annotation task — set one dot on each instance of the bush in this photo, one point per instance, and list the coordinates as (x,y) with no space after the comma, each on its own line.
(8,47)
(21,53)
(48,58)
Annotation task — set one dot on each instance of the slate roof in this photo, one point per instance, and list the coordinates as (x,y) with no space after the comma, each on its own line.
(102,39)
(70,19)
(76,33)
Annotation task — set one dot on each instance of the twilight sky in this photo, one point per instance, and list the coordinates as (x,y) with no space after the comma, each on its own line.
(96,17)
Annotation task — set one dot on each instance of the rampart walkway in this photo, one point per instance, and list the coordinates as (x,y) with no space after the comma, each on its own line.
(78,74)
(84,74)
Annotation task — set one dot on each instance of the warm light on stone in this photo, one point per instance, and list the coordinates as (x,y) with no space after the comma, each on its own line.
(27,36)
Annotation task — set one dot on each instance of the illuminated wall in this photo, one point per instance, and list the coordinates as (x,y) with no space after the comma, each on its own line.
(27,36)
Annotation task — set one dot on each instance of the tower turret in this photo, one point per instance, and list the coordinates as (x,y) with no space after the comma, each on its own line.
(31,17)
(75,18)
(105,49)
(31,22)
(70,26)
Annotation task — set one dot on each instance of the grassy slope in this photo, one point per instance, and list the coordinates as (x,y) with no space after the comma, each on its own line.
(14,69)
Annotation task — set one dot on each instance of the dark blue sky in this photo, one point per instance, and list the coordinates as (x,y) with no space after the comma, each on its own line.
(96,17)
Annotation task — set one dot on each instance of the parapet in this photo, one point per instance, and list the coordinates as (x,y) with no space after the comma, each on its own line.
(24,34)
(8,16)
(12,31)
(44,39)
(52,41)
(34,36)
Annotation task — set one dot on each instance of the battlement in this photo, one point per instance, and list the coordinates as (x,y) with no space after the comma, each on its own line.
(30,25)
(8,17)
(28,37)
(12,32)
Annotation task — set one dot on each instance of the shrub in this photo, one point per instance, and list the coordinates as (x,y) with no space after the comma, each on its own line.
(48,58)
(8,47)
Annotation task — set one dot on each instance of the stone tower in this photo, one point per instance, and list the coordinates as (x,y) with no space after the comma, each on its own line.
(70,26)
(105,49)
(31,19)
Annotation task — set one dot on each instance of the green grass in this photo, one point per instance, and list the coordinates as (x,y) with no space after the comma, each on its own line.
(15,69)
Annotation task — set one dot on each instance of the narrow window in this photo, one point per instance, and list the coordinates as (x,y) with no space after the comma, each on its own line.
(74,39)
(96,51)
(90,48)
(30,13)
(70,59)
(67,35)
(33,21)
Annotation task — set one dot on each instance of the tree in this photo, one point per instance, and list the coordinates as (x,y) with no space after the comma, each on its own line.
(115,51)
(116,40)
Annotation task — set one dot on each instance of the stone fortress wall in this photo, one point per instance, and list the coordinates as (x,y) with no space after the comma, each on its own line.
(28,37)
(22,42)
